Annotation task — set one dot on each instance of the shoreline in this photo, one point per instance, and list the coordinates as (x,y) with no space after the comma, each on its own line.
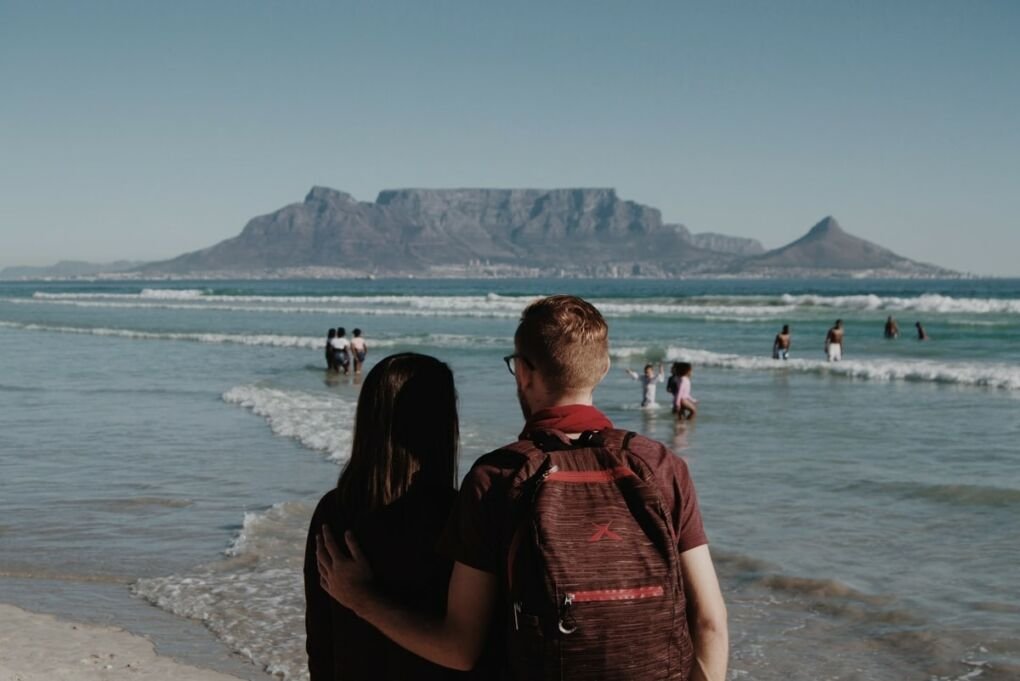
(480,276)
(102,606)
(35,646)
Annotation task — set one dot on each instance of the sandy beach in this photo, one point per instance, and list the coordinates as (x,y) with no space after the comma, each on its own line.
(35,647)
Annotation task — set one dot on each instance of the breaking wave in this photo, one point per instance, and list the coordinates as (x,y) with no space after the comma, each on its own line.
(254,599)
(268,340)
(494,305)
(443,340)
(928,302)
(319,422)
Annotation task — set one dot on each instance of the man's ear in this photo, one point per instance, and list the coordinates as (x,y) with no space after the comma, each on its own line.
(525,375)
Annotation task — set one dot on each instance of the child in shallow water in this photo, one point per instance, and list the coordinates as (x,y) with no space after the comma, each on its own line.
(648,380)
(684,404)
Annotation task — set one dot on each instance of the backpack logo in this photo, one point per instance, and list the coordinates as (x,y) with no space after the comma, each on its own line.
(603,532)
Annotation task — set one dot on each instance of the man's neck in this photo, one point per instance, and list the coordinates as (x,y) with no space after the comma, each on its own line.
(583,399)
(570,400)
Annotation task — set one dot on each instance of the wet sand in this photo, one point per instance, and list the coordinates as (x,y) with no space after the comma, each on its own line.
(36,647)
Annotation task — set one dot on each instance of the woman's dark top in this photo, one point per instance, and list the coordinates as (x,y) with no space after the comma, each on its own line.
(399,542)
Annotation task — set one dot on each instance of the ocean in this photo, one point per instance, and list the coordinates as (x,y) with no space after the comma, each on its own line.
(163,443)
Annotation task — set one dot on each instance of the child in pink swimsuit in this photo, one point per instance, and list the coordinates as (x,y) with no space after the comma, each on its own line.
(684,404)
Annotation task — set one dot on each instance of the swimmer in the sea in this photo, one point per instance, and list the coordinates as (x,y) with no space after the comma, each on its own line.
(360,349)
(921,333)
(834,342)
(892,329)
(781,345)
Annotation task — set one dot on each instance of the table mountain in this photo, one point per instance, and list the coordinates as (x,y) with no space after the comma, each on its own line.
(508,231)
(412,230)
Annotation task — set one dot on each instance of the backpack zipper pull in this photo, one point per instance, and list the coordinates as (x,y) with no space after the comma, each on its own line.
(517,611)
(548,471)
(564,627)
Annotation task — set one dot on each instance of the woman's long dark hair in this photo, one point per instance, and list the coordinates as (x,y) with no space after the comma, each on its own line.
(405,428)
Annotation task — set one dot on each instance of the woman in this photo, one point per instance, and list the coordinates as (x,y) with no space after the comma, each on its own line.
(395,494)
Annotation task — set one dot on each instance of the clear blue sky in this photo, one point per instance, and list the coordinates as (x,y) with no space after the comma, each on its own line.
(144,129)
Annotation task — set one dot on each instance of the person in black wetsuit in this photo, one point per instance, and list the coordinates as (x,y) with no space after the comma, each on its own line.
(330,364)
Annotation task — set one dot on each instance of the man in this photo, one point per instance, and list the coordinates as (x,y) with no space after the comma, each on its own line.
(561,355)
(781,345)
(892,329)
(360,350)
(834,342)
(921,333)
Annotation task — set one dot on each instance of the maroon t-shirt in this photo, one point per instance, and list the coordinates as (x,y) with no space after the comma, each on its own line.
(478,531)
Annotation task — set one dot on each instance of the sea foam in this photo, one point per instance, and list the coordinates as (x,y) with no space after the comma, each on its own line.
(319,422)
(928,302)
(503,305)
(253,599)
(443,340)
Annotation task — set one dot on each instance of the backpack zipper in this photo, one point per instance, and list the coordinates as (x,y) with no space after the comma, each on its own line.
(631,594)
(519,605)
(566,623)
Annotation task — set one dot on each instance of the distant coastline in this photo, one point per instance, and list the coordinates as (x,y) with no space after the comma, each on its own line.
(495,273)
(573,233)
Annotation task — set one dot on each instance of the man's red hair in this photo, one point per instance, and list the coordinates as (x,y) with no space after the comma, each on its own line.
(566,340)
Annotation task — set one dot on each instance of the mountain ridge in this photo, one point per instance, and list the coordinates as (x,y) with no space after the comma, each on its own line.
(828,246)
(590,232)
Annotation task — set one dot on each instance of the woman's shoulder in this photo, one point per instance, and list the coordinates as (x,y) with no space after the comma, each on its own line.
(422,511)
(328,511)
(426,500)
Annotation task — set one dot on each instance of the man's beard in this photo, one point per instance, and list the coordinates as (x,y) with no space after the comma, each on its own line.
(525,409)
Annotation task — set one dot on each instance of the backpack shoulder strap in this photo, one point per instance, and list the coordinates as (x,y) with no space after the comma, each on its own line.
(532,459)
(634,449)
(525,448)
(617,440)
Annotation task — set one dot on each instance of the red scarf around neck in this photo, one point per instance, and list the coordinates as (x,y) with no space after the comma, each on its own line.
(569,418)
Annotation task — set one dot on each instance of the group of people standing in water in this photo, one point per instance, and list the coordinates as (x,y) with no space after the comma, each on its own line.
(834,339)
(577,551)
(892,329)
(684,405)
(341,351)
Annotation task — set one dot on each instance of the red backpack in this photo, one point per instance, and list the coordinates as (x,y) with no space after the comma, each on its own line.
(593,570)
